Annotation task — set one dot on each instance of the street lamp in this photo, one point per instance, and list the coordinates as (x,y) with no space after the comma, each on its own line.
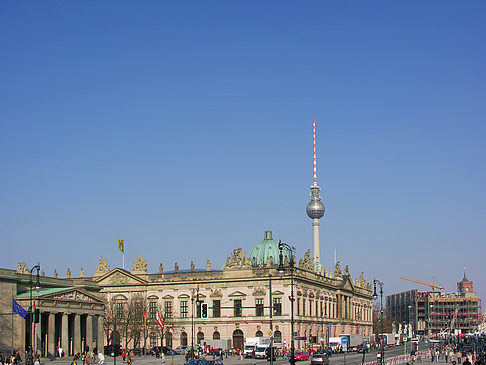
(281,271)
(31,313)
(375,296)
(198,303)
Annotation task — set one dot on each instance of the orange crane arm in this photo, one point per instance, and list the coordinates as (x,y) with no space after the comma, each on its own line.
(433,286)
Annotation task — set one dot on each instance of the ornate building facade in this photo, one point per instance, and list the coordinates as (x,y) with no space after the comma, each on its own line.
(327,303)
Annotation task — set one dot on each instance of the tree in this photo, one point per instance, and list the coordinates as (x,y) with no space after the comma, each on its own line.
(382,325)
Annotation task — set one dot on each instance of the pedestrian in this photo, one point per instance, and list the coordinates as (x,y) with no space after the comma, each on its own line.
(466,361)
(162,357)
(101,358)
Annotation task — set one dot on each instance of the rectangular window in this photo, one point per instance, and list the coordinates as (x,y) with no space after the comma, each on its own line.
(152,311)
(216,308)
(277,306)
(168,309)
(119,310)
(153,340)
(303,307)
(298,307)
(259,307)
(184,309)
(237,308)
(138,311)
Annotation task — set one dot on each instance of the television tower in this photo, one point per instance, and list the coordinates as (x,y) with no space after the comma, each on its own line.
(315,208)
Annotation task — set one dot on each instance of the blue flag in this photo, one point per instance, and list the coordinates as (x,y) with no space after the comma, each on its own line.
(17,308)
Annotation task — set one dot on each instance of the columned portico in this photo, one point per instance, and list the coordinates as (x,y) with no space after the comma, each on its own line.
(66,320)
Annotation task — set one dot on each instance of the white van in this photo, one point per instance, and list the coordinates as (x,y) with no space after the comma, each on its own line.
(260,352)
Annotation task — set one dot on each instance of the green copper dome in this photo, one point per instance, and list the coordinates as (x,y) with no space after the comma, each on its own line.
(268,248)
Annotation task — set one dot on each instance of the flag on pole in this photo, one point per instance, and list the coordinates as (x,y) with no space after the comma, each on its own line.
(145,319)
(17,308)
(121,246)
(33,314)
(160,321)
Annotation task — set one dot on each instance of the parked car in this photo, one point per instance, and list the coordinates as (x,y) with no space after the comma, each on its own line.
(327,352)
(362,348)
(137,351)
(180,350)
(319,359)
(197,362)
(301,356)
(215,362)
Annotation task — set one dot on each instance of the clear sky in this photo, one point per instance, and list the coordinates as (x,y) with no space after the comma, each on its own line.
(185,128)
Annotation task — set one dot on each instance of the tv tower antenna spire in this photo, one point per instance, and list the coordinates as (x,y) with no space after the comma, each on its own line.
(315,209)
(315,159)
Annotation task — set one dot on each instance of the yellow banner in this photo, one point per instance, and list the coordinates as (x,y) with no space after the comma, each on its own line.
(120,246)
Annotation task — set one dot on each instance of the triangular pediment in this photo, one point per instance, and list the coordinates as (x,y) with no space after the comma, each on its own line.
(70,294)
(119,277)
(347,284)
(278,292)
(237,294)
(168,297)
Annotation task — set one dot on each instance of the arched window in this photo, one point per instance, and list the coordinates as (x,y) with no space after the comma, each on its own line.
(216,335)
(200,337)
(168,339)
(183,339)
(238,340)
(277,337)
(259,334)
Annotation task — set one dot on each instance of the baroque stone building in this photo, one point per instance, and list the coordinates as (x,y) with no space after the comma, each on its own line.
(327,303)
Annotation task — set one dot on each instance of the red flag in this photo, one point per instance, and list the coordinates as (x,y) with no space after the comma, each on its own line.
(33,314)
(160,321)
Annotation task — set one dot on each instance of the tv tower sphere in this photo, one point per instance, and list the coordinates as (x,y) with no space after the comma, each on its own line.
(315,209)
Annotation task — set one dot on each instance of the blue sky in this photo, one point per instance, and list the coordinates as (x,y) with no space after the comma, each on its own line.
(185,128)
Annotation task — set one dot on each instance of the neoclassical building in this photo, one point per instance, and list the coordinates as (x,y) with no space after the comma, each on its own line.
(327,303)
(71,312)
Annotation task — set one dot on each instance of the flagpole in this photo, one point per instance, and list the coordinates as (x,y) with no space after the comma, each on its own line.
(123,261)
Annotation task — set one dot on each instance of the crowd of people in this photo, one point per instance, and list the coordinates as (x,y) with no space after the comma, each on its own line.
(12,359)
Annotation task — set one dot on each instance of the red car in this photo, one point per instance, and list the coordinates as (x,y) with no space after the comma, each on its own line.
(301,356)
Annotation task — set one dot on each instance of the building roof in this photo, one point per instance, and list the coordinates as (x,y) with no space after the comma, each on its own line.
(266,249)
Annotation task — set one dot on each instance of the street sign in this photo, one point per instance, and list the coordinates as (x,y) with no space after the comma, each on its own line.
(270,333)
(344,340)
(300,338)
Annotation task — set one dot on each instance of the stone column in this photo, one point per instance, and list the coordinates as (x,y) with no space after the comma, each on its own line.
(51,333)
(89,332)
(65,334)
(101,334)
(77,333)
(37,336)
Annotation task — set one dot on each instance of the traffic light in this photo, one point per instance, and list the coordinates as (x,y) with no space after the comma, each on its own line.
(112,350)
(117,350)
(204,310)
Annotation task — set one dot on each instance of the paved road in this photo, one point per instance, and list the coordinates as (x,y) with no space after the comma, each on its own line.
(336,359)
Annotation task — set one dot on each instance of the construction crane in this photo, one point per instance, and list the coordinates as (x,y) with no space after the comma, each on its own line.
(433,286)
